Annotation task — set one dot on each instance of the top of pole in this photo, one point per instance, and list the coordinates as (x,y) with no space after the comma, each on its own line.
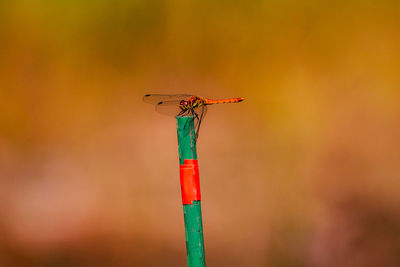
(186,138)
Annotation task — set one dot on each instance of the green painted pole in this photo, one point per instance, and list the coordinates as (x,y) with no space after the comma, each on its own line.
(190,191)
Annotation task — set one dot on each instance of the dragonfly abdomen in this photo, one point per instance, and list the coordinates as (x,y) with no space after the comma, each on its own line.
(223,101)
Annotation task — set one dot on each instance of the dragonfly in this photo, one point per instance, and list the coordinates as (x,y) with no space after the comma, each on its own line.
(186,105)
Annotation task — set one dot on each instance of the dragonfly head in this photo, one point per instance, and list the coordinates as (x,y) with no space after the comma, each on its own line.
(184,103)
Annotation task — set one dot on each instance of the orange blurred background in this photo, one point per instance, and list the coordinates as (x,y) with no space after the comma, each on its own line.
(304,172)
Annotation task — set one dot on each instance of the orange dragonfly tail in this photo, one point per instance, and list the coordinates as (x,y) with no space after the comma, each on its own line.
(208,101)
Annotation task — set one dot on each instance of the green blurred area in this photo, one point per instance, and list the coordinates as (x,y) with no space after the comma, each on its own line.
(303,173)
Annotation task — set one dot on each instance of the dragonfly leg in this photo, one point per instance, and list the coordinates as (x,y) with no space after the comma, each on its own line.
(182,112)
(197,126)
(195,114)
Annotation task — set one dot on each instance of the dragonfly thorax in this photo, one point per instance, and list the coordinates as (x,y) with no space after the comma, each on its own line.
(190,104)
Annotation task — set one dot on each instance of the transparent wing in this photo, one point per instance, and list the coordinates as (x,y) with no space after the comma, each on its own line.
(157,98)
(170,108)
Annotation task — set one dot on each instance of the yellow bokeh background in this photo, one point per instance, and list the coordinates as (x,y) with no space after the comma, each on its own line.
(304,172)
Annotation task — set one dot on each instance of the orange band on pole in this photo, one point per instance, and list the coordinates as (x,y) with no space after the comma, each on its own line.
(190,182)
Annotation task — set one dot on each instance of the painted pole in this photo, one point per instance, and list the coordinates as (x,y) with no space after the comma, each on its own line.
(190,186)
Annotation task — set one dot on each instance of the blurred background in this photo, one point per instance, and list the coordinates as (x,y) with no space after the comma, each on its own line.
(304,172)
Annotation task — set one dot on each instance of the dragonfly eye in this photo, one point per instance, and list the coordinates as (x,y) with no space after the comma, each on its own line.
(183,103)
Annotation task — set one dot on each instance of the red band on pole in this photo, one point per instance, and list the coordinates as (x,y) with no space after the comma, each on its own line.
(190,182)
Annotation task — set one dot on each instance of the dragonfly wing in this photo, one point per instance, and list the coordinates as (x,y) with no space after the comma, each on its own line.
(170,108)
(157,98)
